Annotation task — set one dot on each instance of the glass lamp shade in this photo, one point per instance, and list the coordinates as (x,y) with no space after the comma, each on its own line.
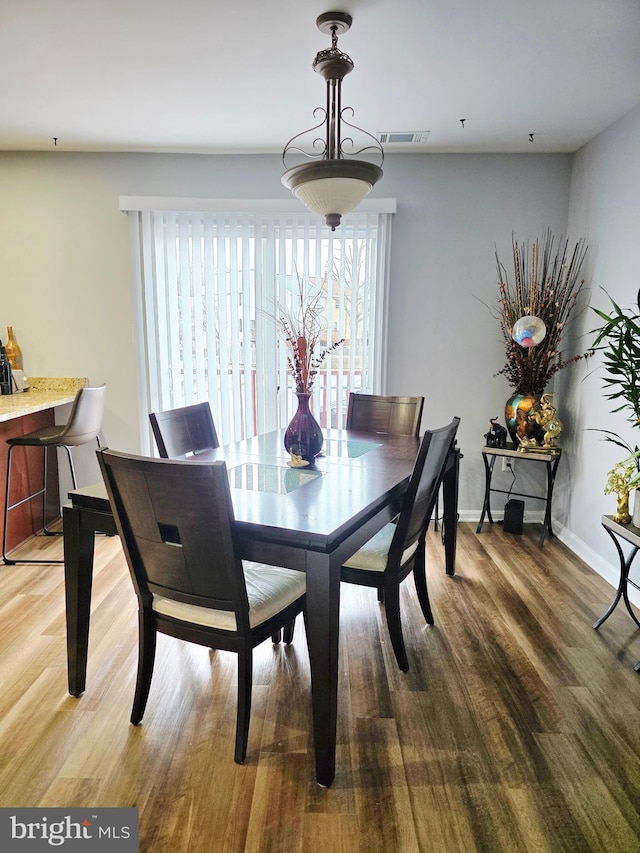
(332,188)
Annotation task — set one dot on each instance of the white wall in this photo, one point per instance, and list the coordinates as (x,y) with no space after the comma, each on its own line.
(605,189)
(67,287)
(453,211)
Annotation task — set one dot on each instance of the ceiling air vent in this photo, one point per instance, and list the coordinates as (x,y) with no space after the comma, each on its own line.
(403,137)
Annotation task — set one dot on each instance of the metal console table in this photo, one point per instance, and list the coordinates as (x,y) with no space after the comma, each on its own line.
(626,533)
(551,461)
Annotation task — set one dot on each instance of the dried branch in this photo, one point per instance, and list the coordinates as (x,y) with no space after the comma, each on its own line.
(547,285)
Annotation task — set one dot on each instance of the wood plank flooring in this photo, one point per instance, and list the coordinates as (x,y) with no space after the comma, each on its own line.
(516,729)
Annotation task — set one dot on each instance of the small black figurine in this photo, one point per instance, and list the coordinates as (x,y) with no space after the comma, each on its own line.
(497,435)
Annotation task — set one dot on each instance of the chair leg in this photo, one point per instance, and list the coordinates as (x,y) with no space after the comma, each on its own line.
(7,561)
(288,632)
(436,511)
(380,594)
(74,483)
(394,626)
(146,658)
(276,637)
(420,578)
(45,474)
(72,469)
(245,679)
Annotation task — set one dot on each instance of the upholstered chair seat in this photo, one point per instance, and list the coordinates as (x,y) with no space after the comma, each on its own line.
(270,589)
(374,554)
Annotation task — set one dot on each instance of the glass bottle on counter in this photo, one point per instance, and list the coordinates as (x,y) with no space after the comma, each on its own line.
(12,350)
(6,386)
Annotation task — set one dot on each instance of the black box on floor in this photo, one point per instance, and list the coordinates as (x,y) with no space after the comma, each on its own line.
(513,516)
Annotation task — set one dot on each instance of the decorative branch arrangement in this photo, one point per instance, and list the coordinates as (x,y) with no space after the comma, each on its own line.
(302,328)
(546,285)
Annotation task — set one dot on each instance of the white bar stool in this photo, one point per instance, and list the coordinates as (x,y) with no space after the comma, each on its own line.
(84,425)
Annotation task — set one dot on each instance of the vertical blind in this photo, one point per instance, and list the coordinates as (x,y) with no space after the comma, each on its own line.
(211,285)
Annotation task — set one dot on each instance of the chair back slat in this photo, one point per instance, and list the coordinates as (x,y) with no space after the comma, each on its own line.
(175,520)
(384,415)
(420,498)
(187,430)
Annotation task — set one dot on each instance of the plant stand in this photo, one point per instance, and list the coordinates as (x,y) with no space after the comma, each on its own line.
(626,533)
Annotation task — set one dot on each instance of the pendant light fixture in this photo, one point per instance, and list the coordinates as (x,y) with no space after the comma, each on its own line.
(333,181)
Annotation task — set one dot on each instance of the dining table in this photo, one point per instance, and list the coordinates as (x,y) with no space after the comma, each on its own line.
(309,518)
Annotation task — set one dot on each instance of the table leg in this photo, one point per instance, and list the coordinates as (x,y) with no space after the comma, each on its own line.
(552,467)
(627,603)
(450,510)
(621,592)
(322,625)
(78,576)
(486,506)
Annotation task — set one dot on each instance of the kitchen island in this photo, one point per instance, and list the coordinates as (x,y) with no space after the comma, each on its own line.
(20,414)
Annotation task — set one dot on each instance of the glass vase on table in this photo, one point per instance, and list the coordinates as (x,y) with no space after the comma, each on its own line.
(303,437)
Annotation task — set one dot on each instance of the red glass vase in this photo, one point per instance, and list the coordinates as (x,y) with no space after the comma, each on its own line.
(303,436)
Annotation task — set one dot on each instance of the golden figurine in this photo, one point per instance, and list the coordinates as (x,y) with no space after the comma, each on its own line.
(545,417)
(296,461)
(617,484)
(622,515)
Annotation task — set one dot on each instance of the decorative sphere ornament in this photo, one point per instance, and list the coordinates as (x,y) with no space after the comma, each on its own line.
(528,331)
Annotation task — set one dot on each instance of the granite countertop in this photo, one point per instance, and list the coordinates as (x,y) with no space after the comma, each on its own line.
(44,393)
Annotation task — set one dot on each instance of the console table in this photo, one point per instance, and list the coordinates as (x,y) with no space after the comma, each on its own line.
(551,462)
(626,533)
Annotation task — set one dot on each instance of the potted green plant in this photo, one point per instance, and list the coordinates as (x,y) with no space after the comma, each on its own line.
(618,340)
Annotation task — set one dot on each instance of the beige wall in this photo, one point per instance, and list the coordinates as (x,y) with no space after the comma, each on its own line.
(67,285)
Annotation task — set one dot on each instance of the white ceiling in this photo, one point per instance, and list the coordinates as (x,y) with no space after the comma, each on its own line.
(204,76)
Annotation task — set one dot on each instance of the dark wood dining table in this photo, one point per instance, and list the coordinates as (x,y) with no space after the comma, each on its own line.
(310,518)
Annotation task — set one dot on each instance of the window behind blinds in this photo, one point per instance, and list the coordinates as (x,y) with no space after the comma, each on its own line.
(210,286)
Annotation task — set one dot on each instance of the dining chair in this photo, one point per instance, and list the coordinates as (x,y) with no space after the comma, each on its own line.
(182,431)
(175,519)
(83,426)
(388,415)
(375,413)
(399,547)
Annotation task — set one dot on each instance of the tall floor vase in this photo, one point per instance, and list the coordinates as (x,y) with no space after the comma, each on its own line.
(303,436)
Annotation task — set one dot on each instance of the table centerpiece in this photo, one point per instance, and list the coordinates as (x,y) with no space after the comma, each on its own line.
(302,327)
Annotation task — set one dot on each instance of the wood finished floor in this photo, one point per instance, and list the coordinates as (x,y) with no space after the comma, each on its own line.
(516,729)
